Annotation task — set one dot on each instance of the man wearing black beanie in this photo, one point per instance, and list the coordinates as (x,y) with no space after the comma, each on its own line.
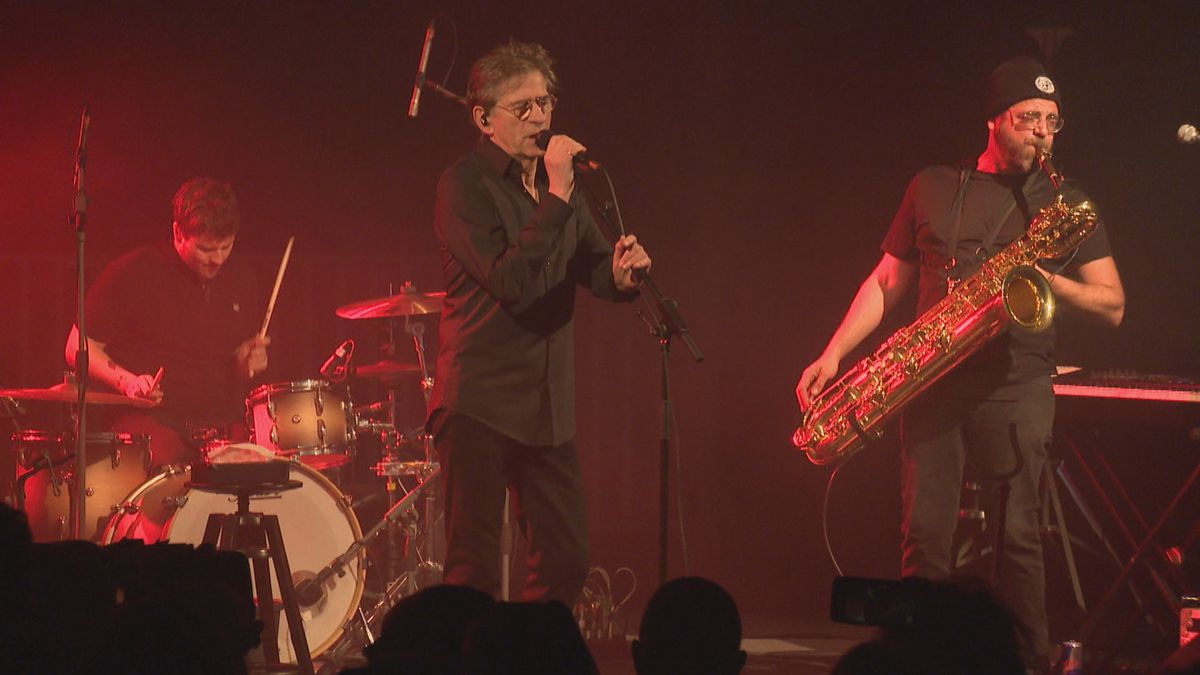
(995,411)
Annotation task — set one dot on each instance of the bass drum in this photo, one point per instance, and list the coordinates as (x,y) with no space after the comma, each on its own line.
(316,520)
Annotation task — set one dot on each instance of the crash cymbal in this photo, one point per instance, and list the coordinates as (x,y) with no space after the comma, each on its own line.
(407,302)
(62,393)
(387,369)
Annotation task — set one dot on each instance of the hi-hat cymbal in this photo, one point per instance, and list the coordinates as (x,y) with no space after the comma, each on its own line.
(62,393)
(387,369)
(407,302)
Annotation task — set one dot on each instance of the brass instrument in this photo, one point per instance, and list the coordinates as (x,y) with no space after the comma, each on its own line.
(1007,288)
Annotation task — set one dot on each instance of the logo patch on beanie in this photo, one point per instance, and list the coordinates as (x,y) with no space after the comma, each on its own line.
(1044,84)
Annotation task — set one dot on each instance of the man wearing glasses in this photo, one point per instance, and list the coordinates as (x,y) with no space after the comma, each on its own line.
(1000,401)
(516,239)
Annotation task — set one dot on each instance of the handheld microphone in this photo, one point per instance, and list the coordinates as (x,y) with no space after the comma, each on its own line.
(334,368)
(422,67)
(581,159)
(1187,134)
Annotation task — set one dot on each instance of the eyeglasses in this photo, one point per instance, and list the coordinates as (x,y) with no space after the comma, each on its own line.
(522,109)
(1030,119)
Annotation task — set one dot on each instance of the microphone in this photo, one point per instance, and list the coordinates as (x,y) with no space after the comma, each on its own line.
(309,592)
(581,158)
(422,67)
(334,368)
(1187,134)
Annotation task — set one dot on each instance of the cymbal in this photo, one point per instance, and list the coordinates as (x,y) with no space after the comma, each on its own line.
(407,302)
(62,393)
(387,369)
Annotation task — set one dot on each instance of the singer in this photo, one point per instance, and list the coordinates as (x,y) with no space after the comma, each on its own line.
(1000,400)
(516,239)
(185,306)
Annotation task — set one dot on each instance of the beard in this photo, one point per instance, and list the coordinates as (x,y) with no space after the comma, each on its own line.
(1021,152)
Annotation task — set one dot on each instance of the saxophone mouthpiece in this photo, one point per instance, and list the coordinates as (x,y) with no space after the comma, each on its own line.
(1044,157)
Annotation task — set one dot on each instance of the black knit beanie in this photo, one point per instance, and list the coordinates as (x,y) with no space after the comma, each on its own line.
(1016,80)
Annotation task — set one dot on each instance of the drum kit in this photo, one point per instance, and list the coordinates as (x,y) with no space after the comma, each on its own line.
(314,425)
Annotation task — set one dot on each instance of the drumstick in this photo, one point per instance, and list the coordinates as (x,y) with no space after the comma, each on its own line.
(157,379)
(287,252)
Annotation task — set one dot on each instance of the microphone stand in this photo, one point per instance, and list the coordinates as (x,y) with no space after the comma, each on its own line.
(79,491)
(664,322)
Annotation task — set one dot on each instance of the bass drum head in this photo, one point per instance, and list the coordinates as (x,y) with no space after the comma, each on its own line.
(317,526)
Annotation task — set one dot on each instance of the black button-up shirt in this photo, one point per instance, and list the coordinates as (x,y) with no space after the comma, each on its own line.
(511,266)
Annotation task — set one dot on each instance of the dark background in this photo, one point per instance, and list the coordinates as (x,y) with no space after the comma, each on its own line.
(759,151)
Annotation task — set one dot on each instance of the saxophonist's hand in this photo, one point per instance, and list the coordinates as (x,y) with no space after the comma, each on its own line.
(814,379)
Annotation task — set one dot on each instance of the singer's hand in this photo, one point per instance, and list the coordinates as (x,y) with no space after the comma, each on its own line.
(250,357)
(628,255)
(814,377)
(560,168)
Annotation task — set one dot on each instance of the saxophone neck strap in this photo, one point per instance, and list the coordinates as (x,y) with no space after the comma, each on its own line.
(953,274)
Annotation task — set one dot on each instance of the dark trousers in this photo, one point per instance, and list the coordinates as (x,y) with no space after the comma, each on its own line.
(940,435)
(478,465)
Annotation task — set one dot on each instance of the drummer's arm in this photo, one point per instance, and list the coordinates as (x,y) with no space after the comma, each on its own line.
(105,369)
(250,357)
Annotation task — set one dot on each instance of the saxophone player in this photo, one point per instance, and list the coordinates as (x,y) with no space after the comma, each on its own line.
(996,410)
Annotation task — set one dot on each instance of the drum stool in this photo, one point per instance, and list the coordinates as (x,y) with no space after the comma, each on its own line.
(257,536)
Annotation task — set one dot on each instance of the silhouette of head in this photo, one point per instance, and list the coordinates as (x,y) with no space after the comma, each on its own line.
(527,638)
(424,632)
(691,625)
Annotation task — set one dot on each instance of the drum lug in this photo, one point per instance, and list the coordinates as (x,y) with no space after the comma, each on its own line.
(90,492)
(128,508)
(274,435)
(321,431)
(115,457)
(271,409)
(174,503)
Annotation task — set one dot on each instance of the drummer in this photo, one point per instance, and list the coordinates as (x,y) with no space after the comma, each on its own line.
(176,323)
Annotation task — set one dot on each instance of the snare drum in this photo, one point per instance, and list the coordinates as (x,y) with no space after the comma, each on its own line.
(304,419)
(116,464)
(316,520)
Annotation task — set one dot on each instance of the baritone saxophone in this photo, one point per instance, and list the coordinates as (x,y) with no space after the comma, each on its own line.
(1006,290)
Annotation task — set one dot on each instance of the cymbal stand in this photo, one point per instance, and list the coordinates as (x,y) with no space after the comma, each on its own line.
(429,568)
(422,568)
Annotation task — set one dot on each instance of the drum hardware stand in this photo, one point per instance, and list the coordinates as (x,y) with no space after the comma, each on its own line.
(400,510)
(427,567)
(310,591)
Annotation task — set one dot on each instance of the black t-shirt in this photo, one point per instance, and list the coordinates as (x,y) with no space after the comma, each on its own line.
(924,224)
(150,310)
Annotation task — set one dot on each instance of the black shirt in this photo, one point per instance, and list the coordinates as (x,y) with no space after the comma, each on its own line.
(150,310)
(511,267)
(924,224)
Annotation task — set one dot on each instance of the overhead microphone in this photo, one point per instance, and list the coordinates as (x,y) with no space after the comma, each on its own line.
(580,158)
(1187,134)
(422,68)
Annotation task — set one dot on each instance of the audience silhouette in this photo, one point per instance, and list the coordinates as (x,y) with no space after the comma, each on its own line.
(953,627)
(424,632)
(527,638)
(691,625)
